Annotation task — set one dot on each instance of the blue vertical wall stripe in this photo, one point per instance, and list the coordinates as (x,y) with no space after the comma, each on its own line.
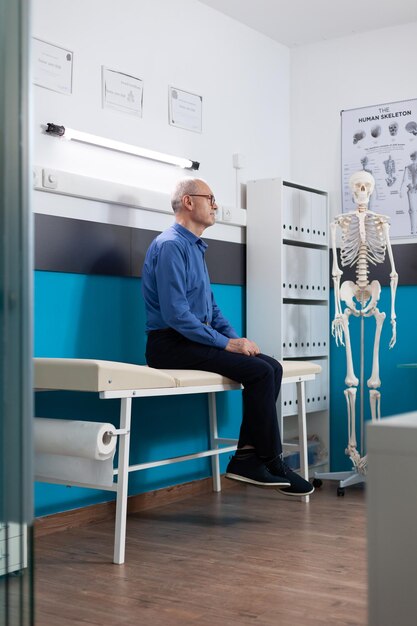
(103,317)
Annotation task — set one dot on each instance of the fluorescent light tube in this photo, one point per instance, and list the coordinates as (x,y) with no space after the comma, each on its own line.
(118,146)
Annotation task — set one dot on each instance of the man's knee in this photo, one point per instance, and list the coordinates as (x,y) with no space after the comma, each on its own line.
(275,369)
(273,363)
(267,369)
(278,369)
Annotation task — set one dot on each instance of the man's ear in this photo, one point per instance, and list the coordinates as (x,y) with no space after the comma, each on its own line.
(187,202)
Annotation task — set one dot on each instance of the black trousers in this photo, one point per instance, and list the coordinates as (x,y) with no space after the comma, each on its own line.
(260,376)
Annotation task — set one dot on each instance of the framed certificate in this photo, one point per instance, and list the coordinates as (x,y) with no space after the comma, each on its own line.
(52,66)
(121,92)
(185,110)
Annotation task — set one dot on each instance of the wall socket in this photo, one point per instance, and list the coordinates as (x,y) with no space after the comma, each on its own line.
(49,179)
(226,214)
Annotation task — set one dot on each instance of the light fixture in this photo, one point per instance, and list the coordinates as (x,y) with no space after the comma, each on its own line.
(118,146)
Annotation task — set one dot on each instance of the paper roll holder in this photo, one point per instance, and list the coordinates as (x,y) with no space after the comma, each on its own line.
(117,431)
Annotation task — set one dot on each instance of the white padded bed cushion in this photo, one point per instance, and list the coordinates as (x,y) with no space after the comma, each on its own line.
(97,375)
(195,378)
(299,368)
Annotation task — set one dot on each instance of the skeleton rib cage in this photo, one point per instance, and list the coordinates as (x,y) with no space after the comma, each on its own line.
(363,238)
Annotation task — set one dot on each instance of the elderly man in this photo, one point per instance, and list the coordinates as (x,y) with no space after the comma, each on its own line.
(186,330)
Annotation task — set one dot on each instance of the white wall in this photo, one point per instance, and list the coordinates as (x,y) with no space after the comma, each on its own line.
(340,74)
(242,76)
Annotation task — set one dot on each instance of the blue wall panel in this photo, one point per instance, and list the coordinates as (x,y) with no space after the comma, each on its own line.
(103,317)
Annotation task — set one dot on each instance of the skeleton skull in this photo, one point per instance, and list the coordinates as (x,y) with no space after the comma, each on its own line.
(362,185)
(376,131)
(393,129)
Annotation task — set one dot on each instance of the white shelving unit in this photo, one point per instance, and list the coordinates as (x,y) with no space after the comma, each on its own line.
(288,292)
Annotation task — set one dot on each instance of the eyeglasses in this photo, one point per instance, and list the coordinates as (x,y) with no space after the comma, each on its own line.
(210,198)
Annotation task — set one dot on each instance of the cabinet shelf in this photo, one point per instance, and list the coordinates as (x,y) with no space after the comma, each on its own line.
(305,244)
(304,301)
(304,357)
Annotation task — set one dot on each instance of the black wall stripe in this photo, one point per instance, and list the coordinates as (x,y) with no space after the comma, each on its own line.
(82,247)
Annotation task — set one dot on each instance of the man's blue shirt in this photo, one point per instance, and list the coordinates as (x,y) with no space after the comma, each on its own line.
(177,292)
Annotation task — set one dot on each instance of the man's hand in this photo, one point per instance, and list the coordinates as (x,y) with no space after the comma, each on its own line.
(243,346)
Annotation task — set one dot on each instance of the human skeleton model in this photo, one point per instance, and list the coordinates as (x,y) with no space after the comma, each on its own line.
(365,240)
(410,174)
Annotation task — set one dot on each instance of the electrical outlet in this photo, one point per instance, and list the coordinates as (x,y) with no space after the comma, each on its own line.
(49,179)
(227,214)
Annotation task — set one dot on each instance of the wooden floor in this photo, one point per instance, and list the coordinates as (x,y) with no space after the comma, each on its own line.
(245,556)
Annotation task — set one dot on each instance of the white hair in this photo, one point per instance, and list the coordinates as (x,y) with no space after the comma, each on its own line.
(182,188)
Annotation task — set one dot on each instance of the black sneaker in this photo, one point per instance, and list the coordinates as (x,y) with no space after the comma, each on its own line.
(298,485)
(251,469)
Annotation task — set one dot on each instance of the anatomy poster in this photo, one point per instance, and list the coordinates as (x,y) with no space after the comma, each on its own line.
(382,139)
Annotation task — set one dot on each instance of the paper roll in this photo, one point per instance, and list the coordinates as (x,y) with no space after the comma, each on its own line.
(70,470)
(88,440)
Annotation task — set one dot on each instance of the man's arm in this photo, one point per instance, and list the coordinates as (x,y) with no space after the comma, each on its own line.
(240,345)
(170,273)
